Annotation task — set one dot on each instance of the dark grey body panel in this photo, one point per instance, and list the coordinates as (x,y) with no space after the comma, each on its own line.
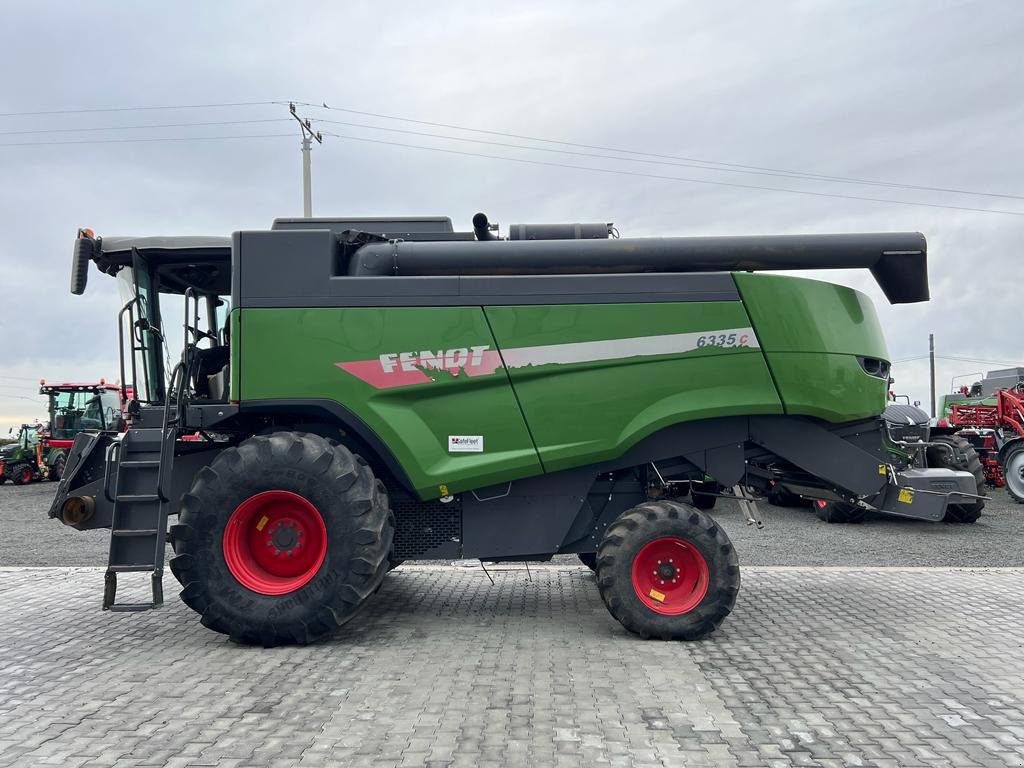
(298,269)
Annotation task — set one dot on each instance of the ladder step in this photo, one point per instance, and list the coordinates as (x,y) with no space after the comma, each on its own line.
(141,464)
(130,498)
(135,532)
(127,568)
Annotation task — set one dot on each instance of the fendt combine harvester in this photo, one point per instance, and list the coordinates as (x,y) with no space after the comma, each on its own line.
(387,390)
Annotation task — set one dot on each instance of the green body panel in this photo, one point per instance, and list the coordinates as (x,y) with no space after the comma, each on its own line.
(811,333)
(830,387)
(574,384)
(293,353)
(592,411)
(235,334)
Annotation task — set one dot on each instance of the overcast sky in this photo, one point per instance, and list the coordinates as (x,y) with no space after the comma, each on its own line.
(922,93)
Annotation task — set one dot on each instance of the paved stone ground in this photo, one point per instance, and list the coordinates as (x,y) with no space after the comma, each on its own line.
(790,536)
(815,667)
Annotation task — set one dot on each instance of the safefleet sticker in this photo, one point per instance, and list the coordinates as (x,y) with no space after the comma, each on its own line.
(465,444)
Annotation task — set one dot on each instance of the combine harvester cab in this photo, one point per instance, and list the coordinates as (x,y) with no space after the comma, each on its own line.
(369,391)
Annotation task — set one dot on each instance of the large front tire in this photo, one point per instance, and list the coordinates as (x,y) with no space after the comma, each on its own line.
(281,539)
(667,570)
(962,457)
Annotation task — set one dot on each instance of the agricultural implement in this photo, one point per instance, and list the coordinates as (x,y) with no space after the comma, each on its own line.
(992,422)
(370,391)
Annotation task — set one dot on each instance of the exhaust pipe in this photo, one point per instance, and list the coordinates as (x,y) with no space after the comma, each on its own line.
(77,509)
(482,227)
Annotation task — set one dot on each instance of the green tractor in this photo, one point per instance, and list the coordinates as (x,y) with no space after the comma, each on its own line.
(371,391)
(20,460)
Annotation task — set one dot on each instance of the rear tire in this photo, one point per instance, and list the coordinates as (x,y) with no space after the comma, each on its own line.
(275,491)
(589,559)
(963,459)
(22,474)
(1013,470)
(666,570)
(702,495)
(57,468)
(839,512)
(780,496)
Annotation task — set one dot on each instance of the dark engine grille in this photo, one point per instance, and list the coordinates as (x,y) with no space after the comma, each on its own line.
(426,529)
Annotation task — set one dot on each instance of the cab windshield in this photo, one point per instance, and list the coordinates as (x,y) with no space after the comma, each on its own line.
(72,412)
(29,436)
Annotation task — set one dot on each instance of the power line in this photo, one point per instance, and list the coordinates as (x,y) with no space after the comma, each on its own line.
(139,109)
(676,178)
(138,127)
(958,359)
(779,174)
(132,141)
(745,168)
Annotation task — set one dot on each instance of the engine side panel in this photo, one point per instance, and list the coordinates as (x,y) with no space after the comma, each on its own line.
(814,336)
(594,379)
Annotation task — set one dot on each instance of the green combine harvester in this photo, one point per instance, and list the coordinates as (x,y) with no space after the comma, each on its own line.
(370,391)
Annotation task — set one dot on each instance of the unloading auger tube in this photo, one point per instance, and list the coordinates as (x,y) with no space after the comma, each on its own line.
(898,261)
(385,390)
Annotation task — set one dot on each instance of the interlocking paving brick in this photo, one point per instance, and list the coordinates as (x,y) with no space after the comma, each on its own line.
(815,667)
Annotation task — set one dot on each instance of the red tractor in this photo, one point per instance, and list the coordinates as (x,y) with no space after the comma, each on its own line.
(996,431)
(75,407)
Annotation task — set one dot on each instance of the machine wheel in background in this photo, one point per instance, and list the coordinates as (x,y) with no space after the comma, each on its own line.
(57,468)
(667,570)
(781,496)
(1013,471)
(281,539)
(963,458)
(703,495)
(838,512)
(22,474)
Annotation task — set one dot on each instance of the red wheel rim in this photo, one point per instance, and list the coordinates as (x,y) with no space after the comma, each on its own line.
(274,542)
(26,474)
(670,575)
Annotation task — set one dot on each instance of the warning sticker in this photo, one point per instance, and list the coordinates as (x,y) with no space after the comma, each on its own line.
(882,470)
(262,523)
(656,595)
(906,496)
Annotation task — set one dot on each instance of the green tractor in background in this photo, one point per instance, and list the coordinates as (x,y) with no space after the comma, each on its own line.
(20,461)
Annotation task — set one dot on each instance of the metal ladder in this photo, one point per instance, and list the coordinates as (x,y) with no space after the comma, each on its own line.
(138,530)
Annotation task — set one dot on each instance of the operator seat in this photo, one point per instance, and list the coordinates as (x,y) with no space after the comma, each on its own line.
(210,363)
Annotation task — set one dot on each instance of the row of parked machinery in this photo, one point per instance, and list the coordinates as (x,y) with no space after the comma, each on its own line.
(40,450)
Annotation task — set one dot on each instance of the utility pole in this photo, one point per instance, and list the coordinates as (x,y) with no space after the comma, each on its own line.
(308,134)
(931,365)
